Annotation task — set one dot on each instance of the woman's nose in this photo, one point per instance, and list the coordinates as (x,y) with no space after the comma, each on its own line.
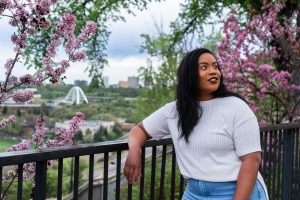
(212,71)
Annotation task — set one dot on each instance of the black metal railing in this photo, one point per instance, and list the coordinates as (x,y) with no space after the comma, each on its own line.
(160,179)
(281,160)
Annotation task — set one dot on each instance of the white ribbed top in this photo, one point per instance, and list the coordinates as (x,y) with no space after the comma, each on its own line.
(227,129)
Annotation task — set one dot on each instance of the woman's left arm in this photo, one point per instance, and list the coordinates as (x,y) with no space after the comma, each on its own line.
(247,175)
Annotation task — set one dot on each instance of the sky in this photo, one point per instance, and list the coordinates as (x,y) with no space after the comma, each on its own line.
(123,47)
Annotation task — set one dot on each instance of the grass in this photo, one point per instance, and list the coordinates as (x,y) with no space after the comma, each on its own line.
(5,144)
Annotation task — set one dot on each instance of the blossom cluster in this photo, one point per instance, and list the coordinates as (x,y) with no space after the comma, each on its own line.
(241,55)
(63,137)
(65,29)
(37,137)
(5,122)
(247,57)
(24,145)
(22,95)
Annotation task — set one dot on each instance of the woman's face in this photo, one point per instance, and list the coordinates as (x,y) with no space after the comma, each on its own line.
(209,76)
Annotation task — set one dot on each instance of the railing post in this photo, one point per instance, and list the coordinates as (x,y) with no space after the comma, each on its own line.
(40,180)
(287,164)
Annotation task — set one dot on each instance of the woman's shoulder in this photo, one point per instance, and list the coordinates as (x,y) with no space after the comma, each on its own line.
(170,108)
(235,101)
(240,107)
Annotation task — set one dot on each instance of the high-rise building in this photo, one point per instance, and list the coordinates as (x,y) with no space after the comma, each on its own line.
(147,84)
(13,79)
(133,82)
(123,84)
(105,81)
(80,83)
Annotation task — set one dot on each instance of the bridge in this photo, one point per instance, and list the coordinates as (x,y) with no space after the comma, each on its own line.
(75,96)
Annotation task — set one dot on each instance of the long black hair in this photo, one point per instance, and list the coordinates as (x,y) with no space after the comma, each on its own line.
(187,92)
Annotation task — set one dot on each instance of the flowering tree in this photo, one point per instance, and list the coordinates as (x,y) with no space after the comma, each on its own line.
(104,12)
(29,17)
(248,55)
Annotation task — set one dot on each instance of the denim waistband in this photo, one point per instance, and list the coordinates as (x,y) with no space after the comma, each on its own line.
(197,189)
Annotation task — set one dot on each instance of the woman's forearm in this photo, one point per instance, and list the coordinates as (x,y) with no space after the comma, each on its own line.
(137,138)
(246,180)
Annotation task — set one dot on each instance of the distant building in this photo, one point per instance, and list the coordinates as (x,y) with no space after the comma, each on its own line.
(80,83)
(113,86)
(127,126)
(147,84)
(13,79)
(88,125)
(105,81)
(133,82)
(123,84)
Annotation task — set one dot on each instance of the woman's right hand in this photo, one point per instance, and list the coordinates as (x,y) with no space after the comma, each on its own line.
(136,139)
(132,168)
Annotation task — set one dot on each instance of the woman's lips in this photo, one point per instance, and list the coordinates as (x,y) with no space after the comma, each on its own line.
(213,80)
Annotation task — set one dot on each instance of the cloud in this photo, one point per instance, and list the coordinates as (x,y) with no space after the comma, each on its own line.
(125,39)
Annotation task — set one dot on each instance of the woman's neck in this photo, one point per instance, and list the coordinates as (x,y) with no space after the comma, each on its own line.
(205,97)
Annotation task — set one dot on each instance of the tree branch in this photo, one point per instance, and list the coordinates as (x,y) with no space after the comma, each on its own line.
(2,197)
(10,70)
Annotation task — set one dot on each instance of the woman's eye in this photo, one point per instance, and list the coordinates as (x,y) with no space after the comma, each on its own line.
(203,67)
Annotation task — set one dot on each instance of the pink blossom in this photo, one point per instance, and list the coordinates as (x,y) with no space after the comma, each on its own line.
(48,65)
(78,56)
(38,79)
(66,135)
(89,29)
(51,49)
(27,79)
(58,72)
(64,64)
(8,65)
(12,118)
(31,31)
(24,145)
(262,122)
(46,24)
(44,6)
(254,108)
(71,45)
(3,97)
(280,76)
(5,122)
(14,38)
(29,171)
(39,131)
(66,25)
(52,142)
(22,95)
(3,5)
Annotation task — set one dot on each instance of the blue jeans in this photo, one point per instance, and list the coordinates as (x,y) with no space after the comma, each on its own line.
(204,190)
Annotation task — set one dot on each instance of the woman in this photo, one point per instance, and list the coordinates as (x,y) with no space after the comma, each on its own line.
(215,134)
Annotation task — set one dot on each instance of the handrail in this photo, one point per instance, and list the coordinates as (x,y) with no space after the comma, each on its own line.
(54,153)
(274,127)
